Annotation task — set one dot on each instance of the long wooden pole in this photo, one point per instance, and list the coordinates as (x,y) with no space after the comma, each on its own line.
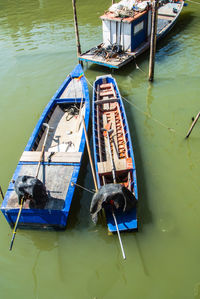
(16,223)
(153,40)
(76,29)
(193,124)
(114,180)
(89,154)
(111,158)
(43,148)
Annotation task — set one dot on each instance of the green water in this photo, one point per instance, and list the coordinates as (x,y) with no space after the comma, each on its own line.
(37,51)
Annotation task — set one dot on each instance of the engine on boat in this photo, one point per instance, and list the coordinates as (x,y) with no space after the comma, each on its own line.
(30,188)
(112,196)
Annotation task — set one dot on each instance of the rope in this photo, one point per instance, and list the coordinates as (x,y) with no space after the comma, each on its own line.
(91,191)
(137,67)
(141,111)
(193,2)
(147,114)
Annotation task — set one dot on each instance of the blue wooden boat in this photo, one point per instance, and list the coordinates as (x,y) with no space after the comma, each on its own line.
(126,31)
(53,157)
(113,151)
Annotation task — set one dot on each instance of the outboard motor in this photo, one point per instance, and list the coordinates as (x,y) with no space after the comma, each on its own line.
(28,187)
(112,196)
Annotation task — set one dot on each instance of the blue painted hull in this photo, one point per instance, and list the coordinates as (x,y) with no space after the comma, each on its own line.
(50,218)
(128,220)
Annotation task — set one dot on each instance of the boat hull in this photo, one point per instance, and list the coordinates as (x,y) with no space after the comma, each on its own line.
(124,159)
(59,173)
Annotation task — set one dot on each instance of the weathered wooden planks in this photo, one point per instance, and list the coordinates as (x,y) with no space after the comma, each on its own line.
(106,167)
(58,157)
(56,179)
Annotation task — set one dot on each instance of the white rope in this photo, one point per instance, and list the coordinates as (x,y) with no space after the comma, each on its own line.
(137,67)
(194,2)
(88,190)
(147,114)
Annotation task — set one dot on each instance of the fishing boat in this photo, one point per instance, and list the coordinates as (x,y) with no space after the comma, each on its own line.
(126,30)
(47,172)
(114,158)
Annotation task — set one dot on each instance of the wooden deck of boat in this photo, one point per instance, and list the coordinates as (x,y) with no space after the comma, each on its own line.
(64,141)
(73,90)
(115,62)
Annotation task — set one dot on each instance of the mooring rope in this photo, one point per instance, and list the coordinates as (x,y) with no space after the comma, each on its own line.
(137,66)
(193,2)
(148,115)
(141,111)
(88,190)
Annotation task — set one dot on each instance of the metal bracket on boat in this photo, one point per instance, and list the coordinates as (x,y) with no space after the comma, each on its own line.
(50,156)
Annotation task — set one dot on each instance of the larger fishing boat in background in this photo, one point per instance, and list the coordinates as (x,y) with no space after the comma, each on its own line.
(127,28)
(44,181)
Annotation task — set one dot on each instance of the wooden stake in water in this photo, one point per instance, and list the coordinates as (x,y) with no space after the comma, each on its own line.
(153,40)
(192,126)
(76,29)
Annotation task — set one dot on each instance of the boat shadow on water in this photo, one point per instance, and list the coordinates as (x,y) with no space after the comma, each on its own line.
(143,210)
(79,215)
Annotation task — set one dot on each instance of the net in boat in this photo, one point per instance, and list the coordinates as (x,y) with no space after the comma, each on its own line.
(31,188)
(112,196)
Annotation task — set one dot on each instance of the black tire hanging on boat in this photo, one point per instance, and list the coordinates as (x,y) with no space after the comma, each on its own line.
(29,187)
(112,195)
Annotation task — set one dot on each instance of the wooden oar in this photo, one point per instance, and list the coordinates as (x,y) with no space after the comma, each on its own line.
(16,224)
(115,181)
(110,153)
(120,241)
(37,172)
(89,154)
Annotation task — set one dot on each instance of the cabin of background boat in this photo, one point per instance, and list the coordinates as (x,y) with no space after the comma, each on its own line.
(127,32)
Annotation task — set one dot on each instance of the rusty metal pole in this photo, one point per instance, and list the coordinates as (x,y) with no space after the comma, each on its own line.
(153,40)
(76,29)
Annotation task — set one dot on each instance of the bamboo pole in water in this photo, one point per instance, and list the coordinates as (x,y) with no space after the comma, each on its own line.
(1,192)
(153,40)
(76,29)
(192,126)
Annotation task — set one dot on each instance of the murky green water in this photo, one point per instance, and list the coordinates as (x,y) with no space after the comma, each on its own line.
(37,51)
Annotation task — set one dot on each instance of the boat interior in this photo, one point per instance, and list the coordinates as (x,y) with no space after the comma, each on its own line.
(110,124)
(61,132)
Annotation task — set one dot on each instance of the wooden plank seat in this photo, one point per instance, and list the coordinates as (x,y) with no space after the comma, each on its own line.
(120,165)
(57,157)
(106,93)
(108,100)
(105,85)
